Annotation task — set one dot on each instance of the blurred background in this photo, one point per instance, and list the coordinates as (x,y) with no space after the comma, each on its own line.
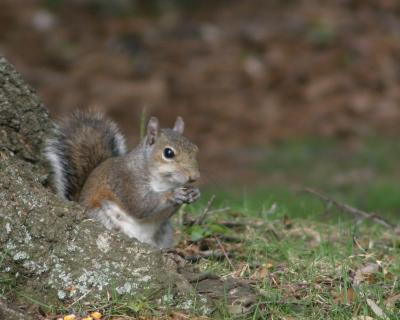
(278,94)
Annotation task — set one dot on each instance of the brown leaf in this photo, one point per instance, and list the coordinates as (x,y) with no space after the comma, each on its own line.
(366,273)
(179,316)
(345,297)
(262,272)
(391,301)
(287,222)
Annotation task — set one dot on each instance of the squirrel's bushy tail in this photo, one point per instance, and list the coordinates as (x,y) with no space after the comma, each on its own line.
(79,145)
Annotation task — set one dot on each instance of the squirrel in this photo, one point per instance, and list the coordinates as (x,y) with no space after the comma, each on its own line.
(133,192)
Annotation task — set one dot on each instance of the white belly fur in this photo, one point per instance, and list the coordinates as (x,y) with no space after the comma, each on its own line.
(114,218)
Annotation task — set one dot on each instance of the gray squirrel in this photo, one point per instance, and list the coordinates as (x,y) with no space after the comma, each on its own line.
(133,192)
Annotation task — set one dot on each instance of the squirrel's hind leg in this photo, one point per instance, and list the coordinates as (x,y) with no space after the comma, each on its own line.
(165,235)
(114,218)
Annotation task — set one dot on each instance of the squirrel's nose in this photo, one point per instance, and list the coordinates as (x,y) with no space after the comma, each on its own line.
(194,177)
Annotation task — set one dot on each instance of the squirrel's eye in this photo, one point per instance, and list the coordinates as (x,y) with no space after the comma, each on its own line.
(169,153)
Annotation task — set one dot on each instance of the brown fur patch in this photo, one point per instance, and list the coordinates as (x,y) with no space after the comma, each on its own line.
(102,194)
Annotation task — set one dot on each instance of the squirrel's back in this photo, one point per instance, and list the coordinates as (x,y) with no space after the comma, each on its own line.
(80,143)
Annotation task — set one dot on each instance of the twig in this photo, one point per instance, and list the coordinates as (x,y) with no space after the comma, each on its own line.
(190,221)
(80,298)
(224,252)
(205,212)
(197,277)
(208,254)
(234,224)
(349,209)
(219,210)
(357,243)
(226,238)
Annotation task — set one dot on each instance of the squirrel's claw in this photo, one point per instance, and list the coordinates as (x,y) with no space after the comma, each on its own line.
(185,195)
(193,194)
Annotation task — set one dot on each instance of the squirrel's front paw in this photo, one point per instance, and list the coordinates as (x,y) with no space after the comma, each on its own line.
(185,195)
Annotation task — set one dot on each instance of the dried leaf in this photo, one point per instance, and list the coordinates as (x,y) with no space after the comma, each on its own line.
(345,297)
(262,272)
(362,318)
(179,316)
(391,301)
(366,273)
(287,222)
(275,280)
(376,309)
(388,276)
(241,270)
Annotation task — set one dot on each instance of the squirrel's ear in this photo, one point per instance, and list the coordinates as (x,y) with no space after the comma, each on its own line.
(179,125)
(152,130)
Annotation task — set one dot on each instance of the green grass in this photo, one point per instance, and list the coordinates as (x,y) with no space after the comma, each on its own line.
(312,274)
(367,177)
